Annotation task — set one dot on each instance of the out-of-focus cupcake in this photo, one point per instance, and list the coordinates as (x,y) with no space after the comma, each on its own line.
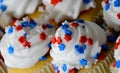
(60,10)
(111,12)
(25,44)
(77,46)
(10,9)
(115,67)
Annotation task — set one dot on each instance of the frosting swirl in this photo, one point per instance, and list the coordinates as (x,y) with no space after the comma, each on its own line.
(111,12)
(66,9)
(25,43)
(76,45)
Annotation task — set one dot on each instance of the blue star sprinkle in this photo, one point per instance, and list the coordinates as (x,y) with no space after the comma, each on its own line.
(32,24)
(3,7)
(10,30)
(11,49)
(80,49)
(61,47)
(107,6)
(118,64)
(96,56)
(83,62)
(65,26)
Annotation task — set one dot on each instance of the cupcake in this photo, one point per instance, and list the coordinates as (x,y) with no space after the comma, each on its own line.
(25,44)
(16,9)
(115,67)
(77,46)
(111,13)
(59,10)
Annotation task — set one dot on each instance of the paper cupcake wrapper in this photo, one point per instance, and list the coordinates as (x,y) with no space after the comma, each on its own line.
(113,69)
(2,67)
(101,67)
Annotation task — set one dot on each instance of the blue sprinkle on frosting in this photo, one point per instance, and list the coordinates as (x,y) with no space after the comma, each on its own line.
(3,7)
(83,62)
(49,25)
(96,56)
(80,49)
(11,49)
(86,1)
(105,47)
(56,68)
(43,58)
(107,6)
(80,21)
(68,32)
(24,24)
(10,30)
(64,67)
(32,24)
(61,47)
(118,64)
(117,3)
(65,26)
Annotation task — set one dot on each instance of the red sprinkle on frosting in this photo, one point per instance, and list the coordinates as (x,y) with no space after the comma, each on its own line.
(90,41)
(117,45)
(118,15)
(73,70)
(22,39)
(83,39)
(55,2)
(53,40)
(43,36)
(59,40)
(44,26)
(27,44)
(114,63)
(75,24)
(67,37)
(106,1)
(18,28)
(102,56)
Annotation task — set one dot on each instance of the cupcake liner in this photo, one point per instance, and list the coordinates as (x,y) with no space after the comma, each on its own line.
(2,67)
(100,67)
(113,69)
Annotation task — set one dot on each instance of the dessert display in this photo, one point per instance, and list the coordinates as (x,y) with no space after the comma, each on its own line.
(59,36)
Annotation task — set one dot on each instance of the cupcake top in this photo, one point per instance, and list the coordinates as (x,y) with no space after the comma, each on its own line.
(117,53)
(18,8)
(66,9)
(76,44)
(25,43)
(111,12)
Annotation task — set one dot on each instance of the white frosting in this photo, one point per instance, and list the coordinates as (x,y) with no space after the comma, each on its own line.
(20,7)
(69,55)
(66,9)
(110,15)
(117,49)
(21,56)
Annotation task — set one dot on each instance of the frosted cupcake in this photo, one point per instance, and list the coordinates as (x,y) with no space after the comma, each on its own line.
(111,12)
(24,44)
(16,9)
(77,45)
(115,67)
(66,9)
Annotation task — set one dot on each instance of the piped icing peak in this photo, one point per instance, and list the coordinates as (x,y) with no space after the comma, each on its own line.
(66,9)
(25,43)
(76,44)
(111,12)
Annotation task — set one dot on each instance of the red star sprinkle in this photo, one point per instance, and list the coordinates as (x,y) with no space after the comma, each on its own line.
(67,37)
(22,39)
(55,2)
(18,28)
(73,70)
(42,36)
(27,44)
(44,26)
(53,40)
(118,15)
(75,24)
(106,1)
(83,39)
(90,41)
(59,40)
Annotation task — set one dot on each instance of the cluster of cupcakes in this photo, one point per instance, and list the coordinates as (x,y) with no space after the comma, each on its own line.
(59,36)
